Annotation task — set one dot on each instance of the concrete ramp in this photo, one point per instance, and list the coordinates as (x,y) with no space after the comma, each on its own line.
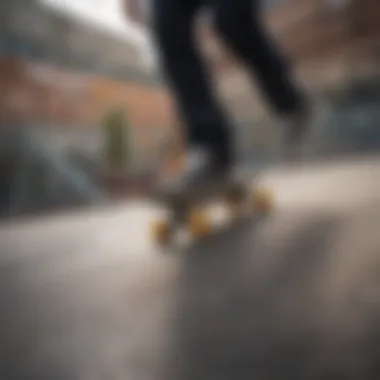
(293,296)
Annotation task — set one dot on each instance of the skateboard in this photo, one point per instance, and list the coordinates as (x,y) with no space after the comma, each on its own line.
(187,210)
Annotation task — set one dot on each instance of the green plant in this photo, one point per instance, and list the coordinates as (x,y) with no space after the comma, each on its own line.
(116,139)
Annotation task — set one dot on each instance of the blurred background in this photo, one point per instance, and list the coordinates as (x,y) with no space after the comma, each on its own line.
(86,120)
(75,74)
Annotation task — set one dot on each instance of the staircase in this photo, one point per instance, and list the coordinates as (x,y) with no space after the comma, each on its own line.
(40,179)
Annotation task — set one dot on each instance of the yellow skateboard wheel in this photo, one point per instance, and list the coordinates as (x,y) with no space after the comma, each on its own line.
(198,224)
(162,232)
(263,200)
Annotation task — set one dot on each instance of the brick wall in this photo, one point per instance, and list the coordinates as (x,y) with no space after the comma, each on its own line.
(68,108)
(45,93)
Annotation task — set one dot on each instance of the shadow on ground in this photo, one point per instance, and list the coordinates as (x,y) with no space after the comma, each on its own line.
(254,303)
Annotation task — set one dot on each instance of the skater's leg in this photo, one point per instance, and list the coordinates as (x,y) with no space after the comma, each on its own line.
(206,124)
(239,24)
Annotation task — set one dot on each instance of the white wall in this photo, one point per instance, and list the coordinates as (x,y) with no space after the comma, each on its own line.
(108,14)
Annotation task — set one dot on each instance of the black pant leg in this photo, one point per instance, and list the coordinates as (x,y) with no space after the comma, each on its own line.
(204,120)
(239,24)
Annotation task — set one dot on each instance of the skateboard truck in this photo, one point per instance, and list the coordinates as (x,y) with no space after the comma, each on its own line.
(187,208)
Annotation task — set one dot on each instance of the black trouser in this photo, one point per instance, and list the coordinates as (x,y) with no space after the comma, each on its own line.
(238,23)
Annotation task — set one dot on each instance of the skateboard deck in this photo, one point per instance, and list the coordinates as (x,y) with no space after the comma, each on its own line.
(188,210)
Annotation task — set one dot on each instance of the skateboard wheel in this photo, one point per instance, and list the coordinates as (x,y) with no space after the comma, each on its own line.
(162,232)
(263,200)
(198,223)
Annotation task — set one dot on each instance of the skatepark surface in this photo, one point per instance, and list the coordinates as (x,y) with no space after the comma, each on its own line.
(295,295)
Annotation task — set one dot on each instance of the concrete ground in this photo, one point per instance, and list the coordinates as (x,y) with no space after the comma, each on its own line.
(295,295)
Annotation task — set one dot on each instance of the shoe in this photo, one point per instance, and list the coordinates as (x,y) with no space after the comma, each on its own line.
(295,129)
(199,171)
